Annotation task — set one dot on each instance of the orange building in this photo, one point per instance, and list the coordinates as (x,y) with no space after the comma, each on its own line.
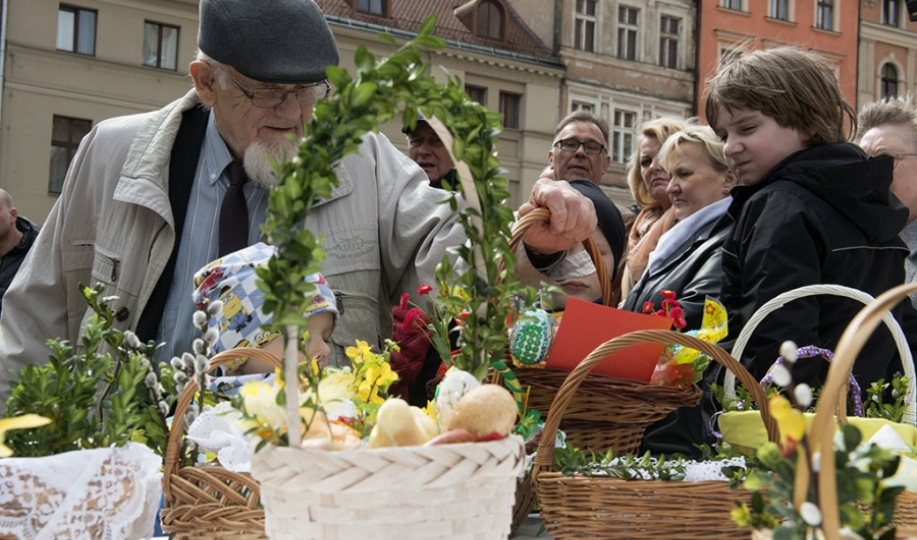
(827,27)
(888,51)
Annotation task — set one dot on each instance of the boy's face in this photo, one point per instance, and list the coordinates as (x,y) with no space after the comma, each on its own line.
(755,143)
(320,328)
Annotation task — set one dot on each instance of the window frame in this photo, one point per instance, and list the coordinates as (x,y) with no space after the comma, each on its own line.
(664,38)
(159,56)
(382,13)
(825,10)
(627,29)
(70,146)
(620,134)
(505,99)
(895,13)
(500,10)
(584,19)
(77,10)
(729,4)
(885,82)
(472,89)
(773,10)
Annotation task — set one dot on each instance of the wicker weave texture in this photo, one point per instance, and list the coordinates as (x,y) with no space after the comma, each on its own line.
(458,491)
(638,510)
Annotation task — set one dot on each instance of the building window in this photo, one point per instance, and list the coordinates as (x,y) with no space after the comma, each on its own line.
(889,81)
(581,106)
(66,135)
(668,42)
(509,106)
(780,9)
(477,94)
(376,7)
(623,137)
(76,30)
(627,33)
(732,4)
(824,18)
(586,20)
(160,45)
(890,10)
(490,20)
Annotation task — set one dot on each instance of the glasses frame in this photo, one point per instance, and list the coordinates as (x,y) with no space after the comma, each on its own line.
(560,144)
(896,157)
(252,94)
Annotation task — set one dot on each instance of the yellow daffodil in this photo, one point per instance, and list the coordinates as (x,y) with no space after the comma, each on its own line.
(360,352)
(19,422)
(430,410)
(790,420)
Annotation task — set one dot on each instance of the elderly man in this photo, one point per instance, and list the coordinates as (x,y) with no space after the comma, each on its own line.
(890,127)
(428,151)
(149,199)
(17,234)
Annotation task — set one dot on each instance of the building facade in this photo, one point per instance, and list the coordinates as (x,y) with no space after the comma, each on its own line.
(887,52)
(827,27)
(627,61)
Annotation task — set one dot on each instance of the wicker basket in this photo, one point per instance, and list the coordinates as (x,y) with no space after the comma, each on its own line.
(456,491)
(210,502)
(610,508)
(831,405)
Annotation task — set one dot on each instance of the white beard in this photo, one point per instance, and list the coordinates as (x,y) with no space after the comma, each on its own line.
(256,164)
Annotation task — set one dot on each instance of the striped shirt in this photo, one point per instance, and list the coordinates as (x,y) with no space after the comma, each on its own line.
(199,242)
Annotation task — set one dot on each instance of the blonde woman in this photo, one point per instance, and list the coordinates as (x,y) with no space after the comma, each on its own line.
(648,182)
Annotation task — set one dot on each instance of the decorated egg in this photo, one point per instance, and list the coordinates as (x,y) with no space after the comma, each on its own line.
(531,338)
(455,384)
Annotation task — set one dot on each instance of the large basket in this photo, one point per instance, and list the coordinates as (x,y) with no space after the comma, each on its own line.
(455,492)
(831,407)
(607,412)
(210,502)
(609,508)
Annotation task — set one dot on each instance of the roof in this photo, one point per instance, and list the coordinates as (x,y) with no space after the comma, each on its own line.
(407,15)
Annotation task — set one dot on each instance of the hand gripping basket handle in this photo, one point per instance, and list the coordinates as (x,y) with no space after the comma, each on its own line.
(544,459)
(822,430)
(173,446)
(910,413)
(543,214)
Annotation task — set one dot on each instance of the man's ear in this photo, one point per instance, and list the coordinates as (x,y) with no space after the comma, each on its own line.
(607,163)
(14,214)
(551,157)
(204,81)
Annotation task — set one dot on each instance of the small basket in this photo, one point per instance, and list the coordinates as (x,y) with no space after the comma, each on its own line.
(831,406)
(611,508)
(453,491)
(210,502)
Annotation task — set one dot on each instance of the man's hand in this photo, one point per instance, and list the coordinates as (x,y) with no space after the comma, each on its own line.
(572,217)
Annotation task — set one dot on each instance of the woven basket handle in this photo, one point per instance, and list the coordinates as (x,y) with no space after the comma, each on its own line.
(910,414)
(173,446)
(821,433)
(543,214)
(544,459)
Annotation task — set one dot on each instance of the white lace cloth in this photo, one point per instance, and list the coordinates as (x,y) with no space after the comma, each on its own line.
(101,494)
(218,430)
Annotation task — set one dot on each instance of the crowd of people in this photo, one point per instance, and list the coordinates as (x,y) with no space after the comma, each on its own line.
(164,208)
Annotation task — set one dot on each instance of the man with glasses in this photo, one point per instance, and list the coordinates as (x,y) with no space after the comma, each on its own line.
(889,127)
(151,198)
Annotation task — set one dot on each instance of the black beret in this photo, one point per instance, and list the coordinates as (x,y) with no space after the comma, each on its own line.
(272,41)
(610,222)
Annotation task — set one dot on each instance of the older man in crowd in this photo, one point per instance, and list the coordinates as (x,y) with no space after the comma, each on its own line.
(429,152)
(149,199)
(889,127)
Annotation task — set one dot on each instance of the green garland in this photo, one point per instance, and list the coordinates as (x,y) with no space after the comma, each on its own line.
(359,105)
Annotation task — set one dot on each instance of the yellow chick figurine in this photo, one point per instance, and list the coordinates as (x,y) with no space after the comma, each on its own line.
(398,424)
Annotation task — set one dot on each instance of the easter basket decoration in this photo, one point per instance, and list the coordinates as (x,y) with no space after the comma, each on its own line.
(744,431)
(821,435)
(606,412)
(209,502)
(604,507)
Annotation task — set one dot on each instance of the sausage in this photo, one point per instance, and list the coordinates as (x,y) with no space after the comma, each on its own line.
(454,436)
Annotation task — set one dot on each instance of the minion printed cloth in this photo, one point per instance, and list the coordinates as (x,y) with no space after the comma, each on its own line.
(232,280)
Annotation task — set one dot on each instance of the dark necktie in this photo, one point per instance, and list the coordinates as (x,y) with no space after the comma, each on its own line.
(234,212)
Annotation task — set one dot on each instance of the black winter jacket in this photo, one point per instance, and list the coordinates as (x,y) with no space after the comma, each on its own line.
(9,263)
(692,272)
(823,215)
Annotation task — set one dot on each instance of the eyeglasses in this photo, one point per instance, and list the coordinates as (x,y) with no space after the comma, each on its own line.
(896,157)
(267,98)
(572,145)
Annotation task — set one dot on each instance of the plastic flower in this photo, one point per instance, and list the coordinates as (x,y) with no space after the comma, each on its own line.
(424,289)
(790,420)
(18,422)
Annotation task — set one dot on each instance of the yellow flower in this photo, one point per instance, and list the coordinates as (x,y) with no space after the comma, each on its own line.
(360,352)
(19,422)
(430,410)
(259,399)
(790,420)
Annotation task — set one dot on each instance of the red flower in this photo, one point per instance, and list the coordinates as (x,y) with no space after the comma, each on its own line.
(668,294)
(648,307)
(403,304)
(677,313)
(679,323)
(424,289)
(415,320)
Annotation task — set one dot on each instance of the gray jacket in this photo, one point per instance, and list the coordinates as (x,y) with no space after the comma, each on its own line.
(383,234)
